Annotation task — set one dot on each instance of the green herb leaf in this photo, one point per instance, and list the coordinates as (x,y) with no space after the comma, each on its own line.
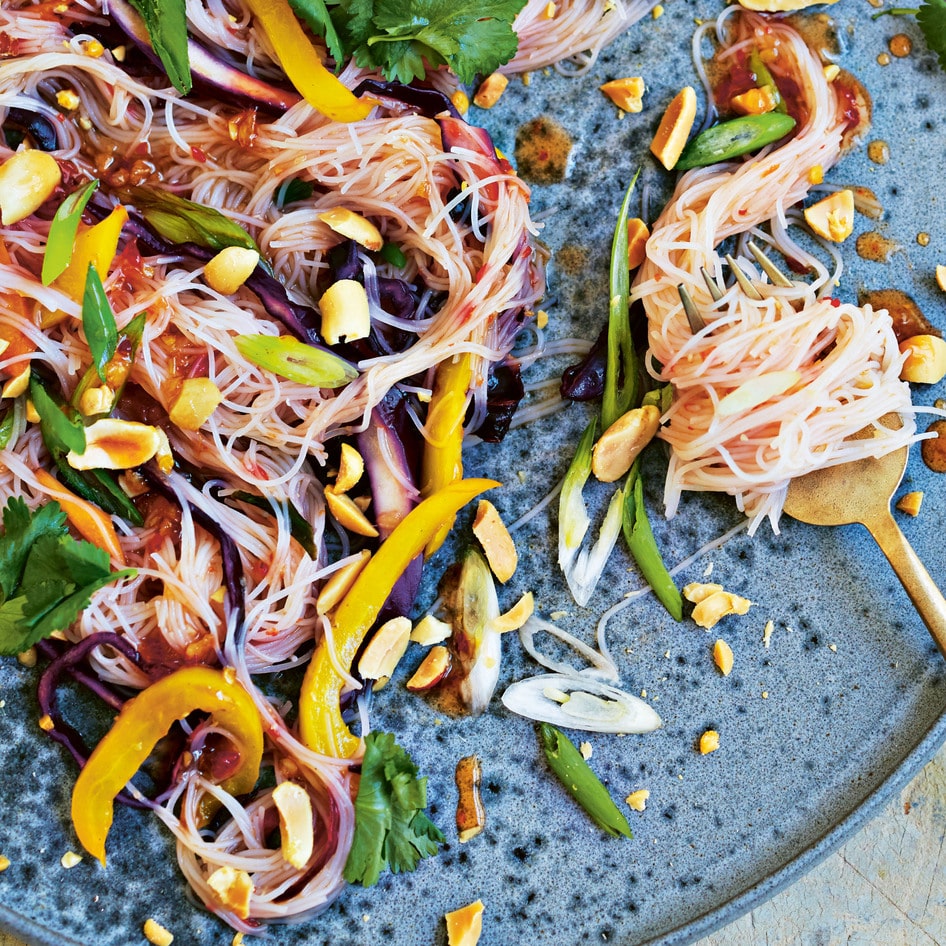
(643,546)
(184,221)
(292,359)
(391,829)
(98,322)
(62,232)
(315,15)
(292,190)
(932,19)
(59,432)
(471,37)
(620,375)
(580,782)
(47,576)
(127,344)
(6,428)
(166,22)
(393,254)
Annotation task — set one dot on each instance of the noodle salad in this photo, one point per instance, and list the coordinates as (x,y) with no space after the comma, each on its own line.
(247,319)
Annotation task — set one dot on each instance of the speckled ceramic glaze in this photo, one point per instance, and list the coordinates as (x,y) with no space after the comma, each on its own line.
(816,730)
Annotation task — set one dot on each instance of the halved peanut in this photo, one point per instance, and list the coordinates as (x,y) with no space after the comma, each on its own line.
(196,399)
(674,128)
(430,630)
(433,668)
(345,312)
(295,823)
(926,359)
(351,466)
(711,610)
(27,181)
(625,93)
(113,444)
(516,616)
(832,217)
(347,514)
(385,649)
(491,88)
(637,237)
(353,226)
(497,543)
(96,400)
(232,889)
(723,657)
(339,582)
(230,268)
(619,445)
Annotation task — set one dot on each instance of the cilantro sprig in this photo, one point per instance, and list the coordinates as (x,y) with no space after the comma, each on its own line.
(47,578)
(391,828)
(402,37)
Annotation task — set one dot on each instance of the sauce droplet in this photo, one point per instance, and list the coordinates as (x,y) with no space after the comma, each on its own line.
(900,45)
(933,451)
(908,319)
(542,150)
(875,248)
(878,151)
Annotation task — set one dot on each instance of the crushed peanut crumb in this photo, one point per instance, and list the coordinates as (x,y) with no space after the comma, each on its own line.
(709,741)
(638,800)
(585,750)
(70,859)
(767,633)
(156,934)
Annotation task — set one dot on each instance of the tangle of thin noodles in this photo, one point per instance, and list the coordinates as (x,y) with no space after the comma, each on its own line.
(847,357)
(461,220)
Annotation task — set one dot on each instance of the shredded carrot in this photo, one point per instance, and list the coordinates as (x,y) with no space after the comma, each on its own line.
(89,521)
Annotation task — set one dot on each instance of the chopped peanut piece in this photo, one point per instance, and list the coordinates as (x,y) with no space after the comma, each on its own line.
(348,515)
(723,657)
(70,859)
(353,226)
(28,657)
(617,448)
(548,11)
(351,466)
(433,668)
(831,71)
(925,359)
(32,415)
(941,277)
(710,611)
(815,174)
(709,741)
(385,649)
(114,444)
(4,862)
(430,630)
(461,101)
(832,217)
(638,800)
(345,312)
(232,889)
(637,236)
(230,268)
(68,99)
(47,723)
(755,101)
(465,925)
(17,385)
(156,934)
(910,503)
(674,128)
(696,591)
(516,616)
(586,750)
(491,88)
(194,403)
(339,582)
(295,823)
(97,400)
(625,93)
(497,543)
(27,181)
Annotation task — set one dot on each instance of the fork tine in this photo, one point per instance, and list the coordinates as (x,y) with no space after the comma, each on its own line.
(711,284)
(689,306)
(743,279)
(771,270)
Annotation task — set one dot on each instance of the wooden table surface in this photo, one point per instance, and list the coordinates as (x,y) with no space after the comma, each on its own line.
(885,887)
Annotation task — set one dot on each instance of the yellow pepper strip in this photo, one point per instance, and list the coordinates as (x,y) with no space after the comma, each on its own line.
(89,521)
(139,726)
(98,245)
(320,718)
(443,450)
(302,65)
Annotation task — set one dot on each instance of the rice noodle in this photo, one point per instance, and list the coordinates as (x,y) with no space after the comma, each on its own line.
(847,356)
(462,222)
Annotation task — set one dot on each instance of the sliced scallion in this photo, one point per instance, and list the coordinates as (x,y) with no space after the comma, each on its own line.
(98,322)
(296,361)
(62,232)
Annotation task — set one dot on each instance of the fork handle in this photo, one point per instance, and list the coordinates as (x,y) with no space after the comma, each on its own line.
(926,597)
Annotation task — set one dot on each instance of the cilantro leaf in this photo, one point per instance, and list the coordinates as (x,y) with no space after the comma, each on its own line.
(20,531)
(391,829)
(932,19)
(471,37)
(13,635)
(59,432)
(315,15)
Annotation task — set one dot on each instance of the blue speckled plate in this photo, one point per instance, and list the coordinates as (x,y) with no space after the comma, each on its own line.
(855,688)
